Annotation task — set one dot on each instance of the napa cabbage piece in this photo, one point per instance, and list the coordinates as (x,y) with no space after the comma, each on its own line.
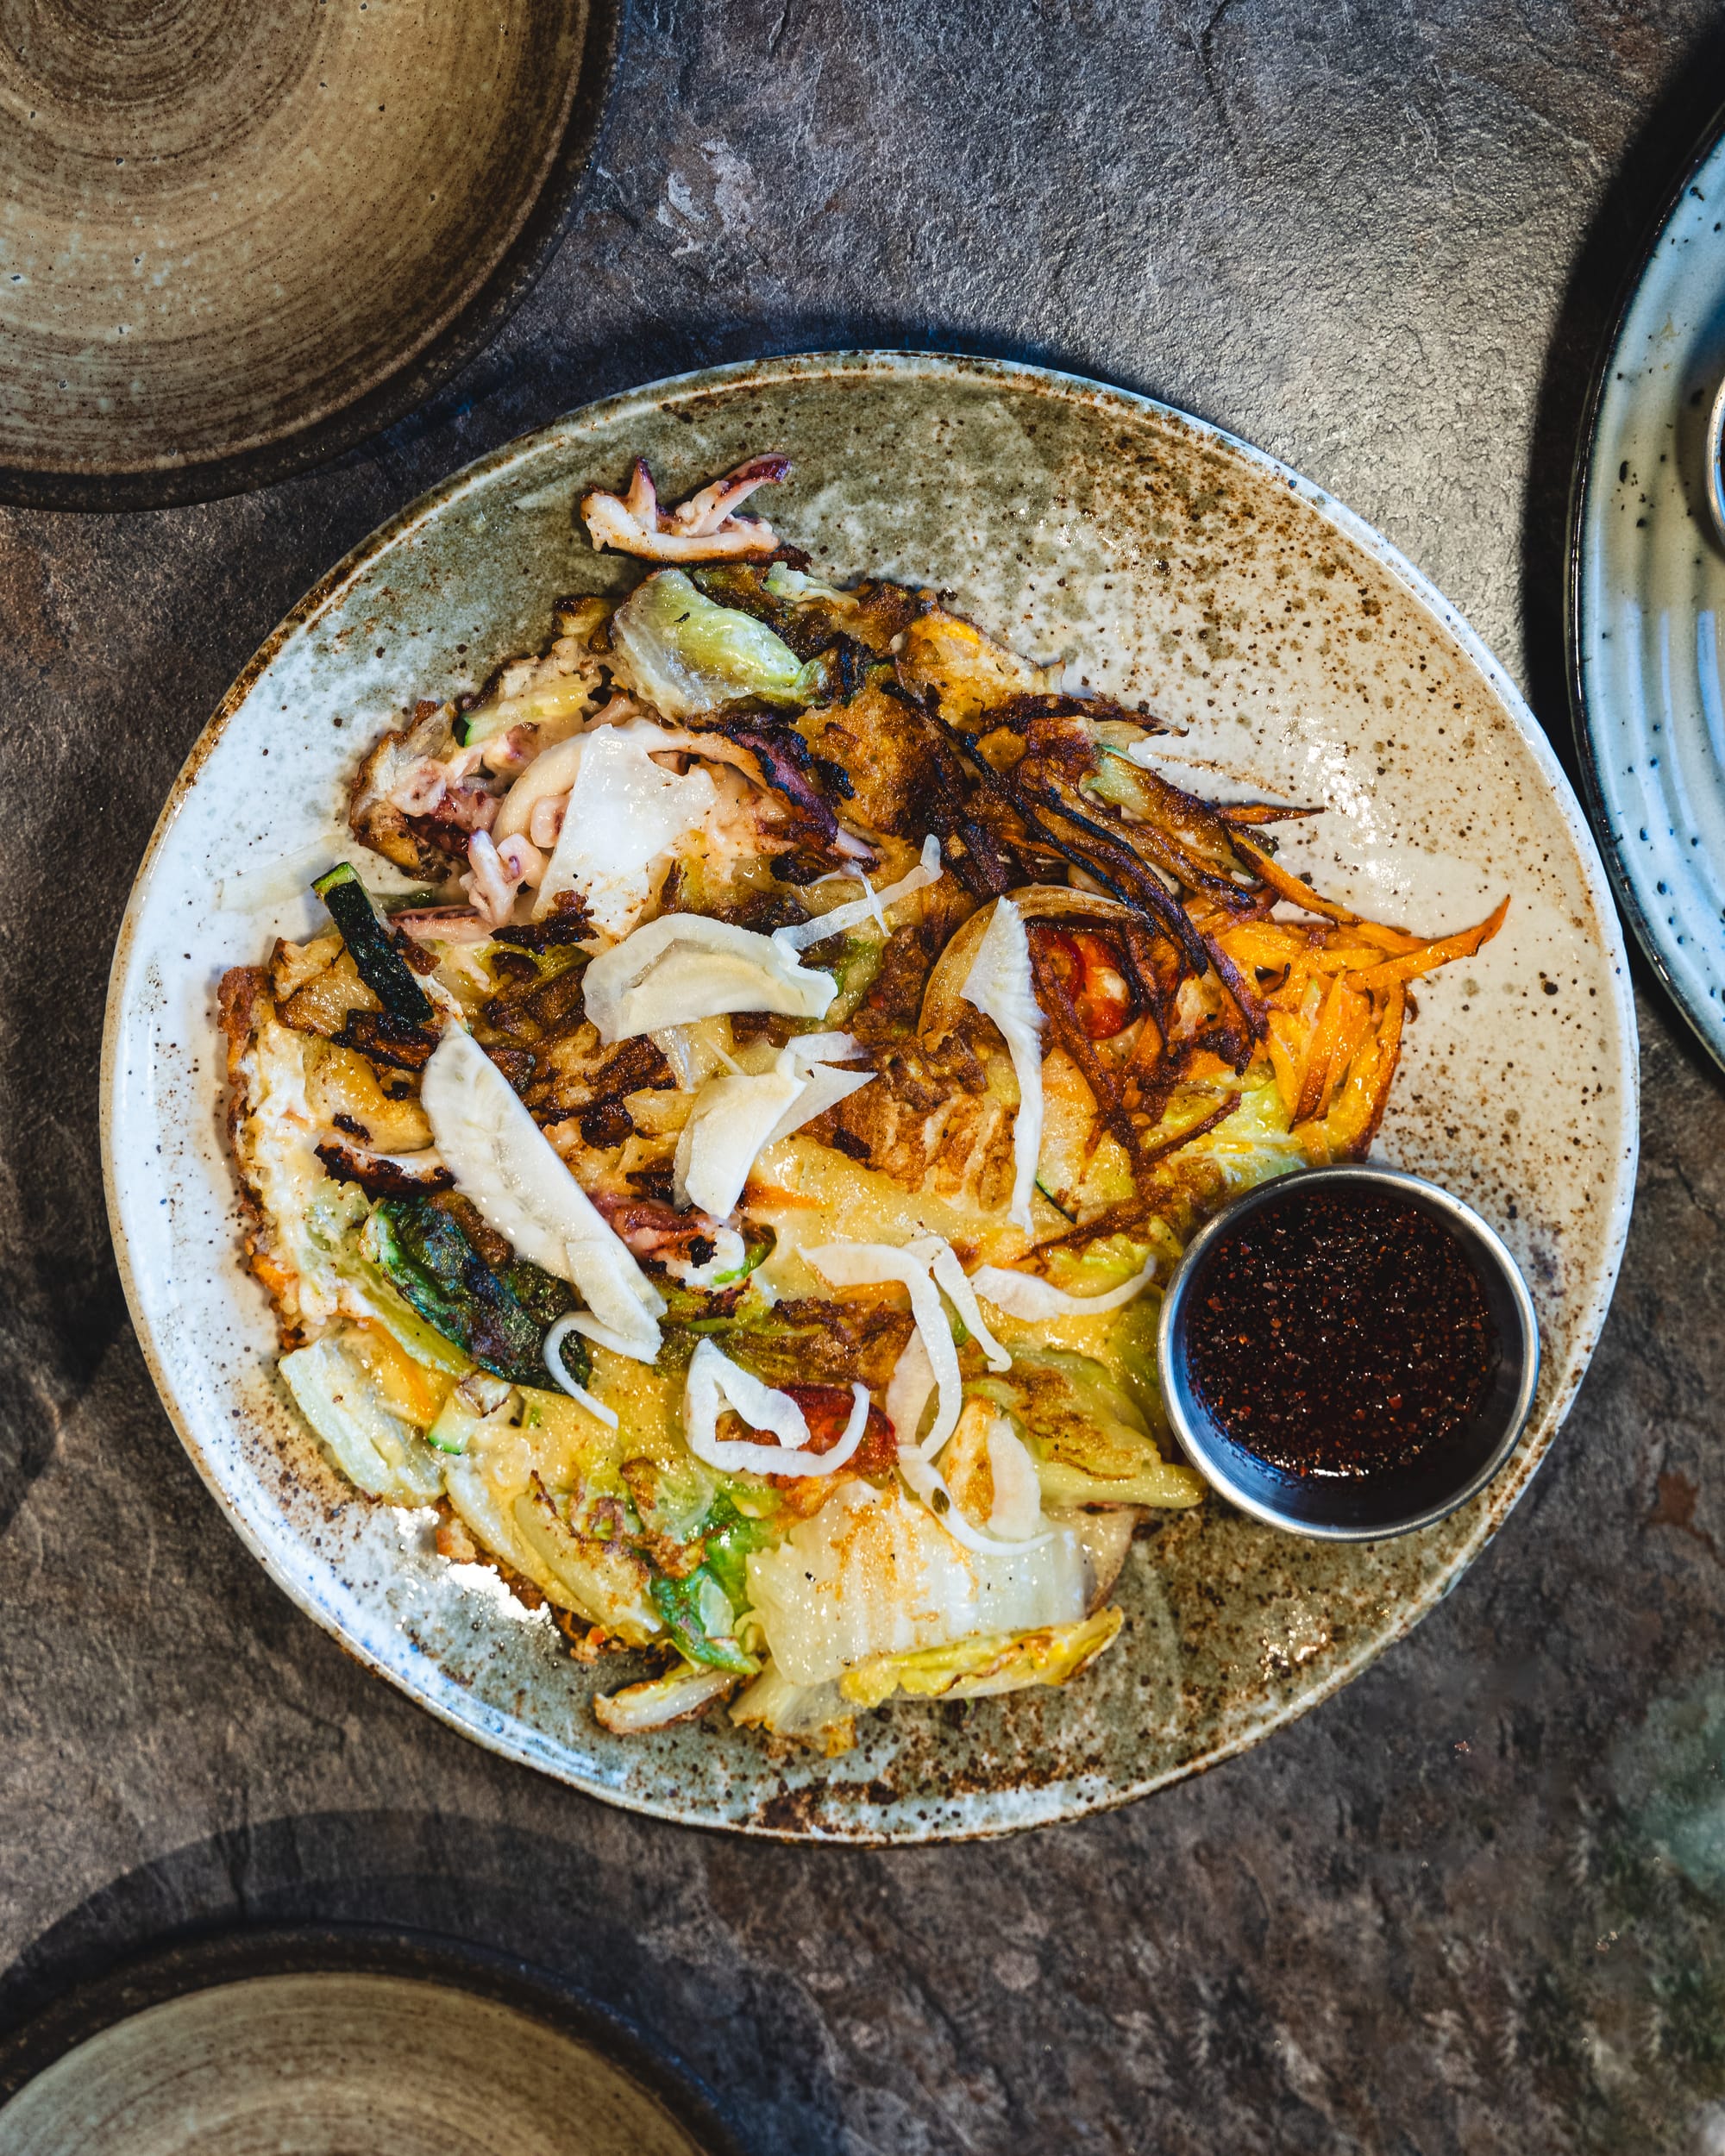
(685,1689)
(506,1164)
(521,1469)
(987,1666)
(816,1715)
(1088,1436)
(379,1450)
(1247,1148)
(873,1573)
(309,1216)
(701,1619)
(684,967)
(683,654)
(550,694)
(1016,1512)
(625,812)
(600,1579)
(1000,986)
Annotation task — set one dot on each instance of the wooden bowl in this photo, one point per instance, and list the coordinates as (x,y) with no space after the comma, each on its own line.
(237,239)
(316,2041)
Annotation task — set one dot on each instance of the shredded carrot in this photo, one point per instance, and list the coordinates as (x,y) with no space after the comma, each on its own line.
(1426,956)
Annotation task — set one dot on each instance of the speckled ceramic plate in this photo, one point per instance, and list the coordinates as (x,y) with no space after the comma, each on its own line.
(1164,561)
(1647,593)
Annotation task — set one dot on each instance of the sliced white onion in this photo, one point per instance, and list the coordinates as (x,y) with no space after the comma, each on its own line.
(842,917)
(823,1088)
(865,1264)
(684,966)
(1000,985)
(554,1363)
(925,1479)
(714,1378)
(909,1390)
(1029,1296)
(950,1276)
(673,1044)
(735,1118)
(602,1335)
(504,1162)
(825,1048)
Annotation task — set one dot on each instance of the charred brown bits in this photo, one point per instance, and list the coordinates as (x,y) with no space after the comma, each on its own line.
(1341,1335)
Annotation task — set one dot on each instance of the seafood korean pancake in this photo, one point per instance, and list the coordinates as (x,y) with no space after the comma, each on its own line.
(731,1185)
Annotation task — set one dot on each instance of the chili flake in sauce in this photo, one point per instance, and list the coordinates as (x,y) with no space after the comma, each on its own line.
(1338,1334)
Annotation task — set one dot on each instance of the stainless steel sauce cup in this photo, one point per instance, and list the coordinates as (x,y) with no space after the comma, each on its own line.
(1394,1500)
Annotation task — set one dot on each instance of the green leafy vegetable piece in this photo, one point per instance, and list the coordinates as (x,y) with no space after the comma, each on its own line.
(687,654)
(698,1616)
(501,1322)
(731,1539)
(1087,1434)
(379,964)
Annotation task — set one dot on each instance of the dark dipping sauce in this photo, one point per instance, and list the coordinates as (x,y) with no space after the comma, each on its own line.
(1340,1335)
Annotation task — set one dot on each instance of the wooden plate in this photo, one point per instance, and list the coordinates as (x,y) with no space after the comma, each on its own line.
(236,239)
(308,2040)
(1162,560)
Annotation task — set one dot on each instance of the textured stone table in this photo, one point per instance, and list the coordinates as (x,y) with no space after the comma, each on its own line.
(1473,1903)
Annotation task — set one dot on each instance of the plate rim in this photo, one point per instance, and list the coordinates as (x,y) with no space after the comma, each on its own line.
(1625,891)
(1519,1470)
(403,388)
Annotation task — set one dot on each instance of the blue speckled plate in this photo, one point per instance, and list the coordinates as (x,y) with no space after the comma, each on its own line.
(1647,597)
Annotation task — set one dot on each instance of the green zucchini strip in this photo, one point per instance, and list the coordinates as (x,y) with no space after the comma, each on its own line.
(380,965)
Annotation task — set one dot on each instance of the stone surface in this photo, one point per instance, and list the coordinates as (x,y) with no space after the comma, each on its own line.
(1471,1904)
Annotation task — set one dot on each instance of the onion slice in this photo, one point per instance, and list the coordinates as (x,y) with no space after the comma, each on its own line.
(927,871)
(1000,985)
(1016,1513)
(1028,1295)
(732,1119)
(504,1162)
(823,1088)
(625,811)
(950,1276)
(867,1264)
(685,965)
(735,1118)
(909,1389)
(715,1380)
(554,1363)
(922,1477)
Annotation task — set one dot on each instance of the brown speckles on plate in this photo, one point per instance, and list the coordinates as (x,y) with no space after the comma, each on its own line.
(1070,513)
